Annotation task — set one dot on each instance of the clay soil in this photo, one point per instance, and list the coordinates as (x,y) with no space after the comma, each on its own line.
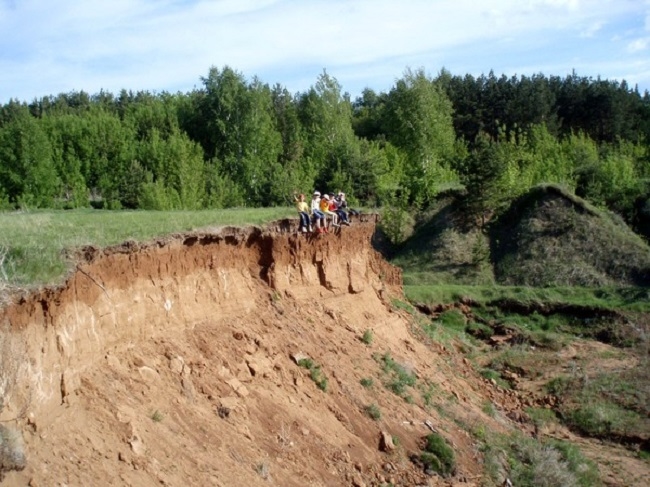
(175,363)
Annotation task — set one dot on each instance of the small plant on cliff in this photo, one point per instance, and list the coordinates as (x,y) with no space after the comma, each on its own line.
(399,377)
(438,455)
(372,410)
(315,373)
(263,470)
(157,416)
(399,304)
(366,382)
(367,337)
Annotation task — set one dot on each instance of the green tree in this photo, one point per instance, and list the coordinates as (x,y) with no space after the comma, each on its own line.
(241,131)
(64,133)
(418,120)
(176,170)
(28,176)
(326,117)
(482,173)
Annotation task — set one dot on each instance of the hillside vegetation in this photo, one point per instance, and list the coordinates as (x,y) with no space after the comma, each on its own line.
(546,237)
(550,295)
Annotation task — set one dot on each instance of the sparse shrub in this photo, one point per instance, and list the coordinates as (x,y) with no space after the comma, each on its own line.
(488,408)
(399,377)
(491,374)
(366,382)
(262,470)
(531,463)
(557,385)
(157,416)
(427,393)
(315,373)
(541,416)
(438,455)
(306,363)
(367,337)
(372,410)
(319,379)
(601,418)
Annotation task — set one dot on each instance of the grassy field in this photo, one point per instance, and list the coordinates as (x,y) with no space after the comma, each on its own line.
(33,244)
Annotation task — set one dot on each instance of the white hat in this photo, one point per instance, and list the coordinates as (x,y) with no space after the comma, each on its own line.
(316,193)
(325,197)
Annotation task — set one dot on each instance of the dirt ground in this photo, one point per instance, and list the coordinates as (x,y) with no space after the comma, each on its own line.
(175,363)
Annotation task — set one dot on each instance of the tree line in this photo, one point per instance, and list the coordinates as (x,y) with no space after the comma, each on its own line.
(240,142)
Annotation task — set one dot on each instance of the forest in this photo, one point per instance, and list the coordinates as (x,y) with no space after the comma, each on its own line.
(236,142)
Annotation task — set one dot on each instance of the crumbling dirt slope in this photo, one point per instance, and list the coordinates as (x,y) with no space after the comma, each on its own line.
(174,363)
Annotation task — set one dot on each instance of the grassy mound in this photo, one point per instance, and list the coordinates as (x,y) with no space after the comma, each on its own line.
(445,249)
(549,237)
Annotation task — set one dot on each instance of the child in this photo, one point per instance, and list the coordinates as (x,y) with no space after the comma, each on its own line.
(325,208)
(334,208)
(316,213)
(303,211)
(341,206)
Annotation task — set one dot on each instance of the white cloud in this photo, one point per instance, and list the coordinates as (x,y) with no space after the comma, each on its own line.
(639,45)
(61,45)
(592,29)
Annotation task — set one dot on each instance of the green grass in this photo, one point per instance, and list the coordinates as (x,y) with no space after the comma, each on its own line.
(367,337)
(373,411)
(532,463)
(438,455)
(367,382)
(34,242)
(600,418)
(398,376)
(625,298)
(157,416)
(315,373)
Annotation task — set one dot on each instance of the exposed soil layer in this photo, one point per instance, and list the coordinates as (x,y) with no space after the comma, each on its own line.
(175,363)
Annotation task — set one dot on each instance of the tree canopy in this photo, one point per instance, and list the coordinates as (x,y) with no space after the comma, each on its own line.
(240,142)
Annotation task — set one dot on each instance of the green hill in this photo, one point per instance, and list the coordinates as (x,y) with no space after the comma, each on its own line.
(547,237)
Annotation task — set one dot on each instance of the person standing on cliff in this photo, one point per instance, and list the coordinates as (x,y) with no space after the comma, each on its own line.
(303,212)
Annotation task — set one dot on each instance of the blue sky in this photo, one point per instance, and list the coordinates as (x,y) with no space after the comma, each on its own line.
(49,47)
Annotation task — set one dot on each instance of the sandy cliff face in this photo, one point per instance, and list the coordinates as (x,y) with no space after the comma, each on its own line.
(173,363)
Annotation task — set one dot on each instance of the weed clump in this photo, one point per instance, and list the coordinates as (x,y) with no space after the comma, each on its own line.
(367,337)
(528,462)
(437,456)
(315,373)
(372,410)
(399,378)
(366,382)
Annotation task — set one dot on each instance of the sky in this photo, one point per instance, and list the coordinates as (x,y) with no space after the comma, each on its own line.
(48,47)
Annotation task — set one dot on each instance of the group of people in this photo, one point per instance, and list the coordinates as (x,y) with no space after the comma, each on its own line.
(326,211)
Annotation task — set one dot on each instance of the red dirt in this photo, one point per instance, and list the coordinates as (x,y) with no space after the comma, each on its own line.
(171,363)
